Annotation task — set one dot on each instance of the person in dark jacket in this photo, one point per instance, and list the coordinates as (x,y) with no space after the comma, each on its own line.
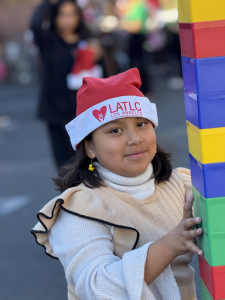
(58,28)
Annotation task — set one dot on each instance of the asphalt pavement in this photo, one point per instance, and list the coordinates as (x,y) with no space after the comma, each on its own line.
(26,169)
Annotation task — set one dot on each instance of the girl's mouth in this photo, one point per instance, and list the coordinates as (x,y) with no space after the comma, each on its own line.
(136,154)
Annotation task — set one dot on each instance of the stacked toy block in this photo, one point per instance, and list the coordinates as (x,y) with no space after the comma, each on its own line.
(202,37)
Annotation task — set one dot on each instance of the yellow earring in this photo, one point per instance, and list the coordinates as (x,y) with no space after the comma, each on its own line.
(91,167)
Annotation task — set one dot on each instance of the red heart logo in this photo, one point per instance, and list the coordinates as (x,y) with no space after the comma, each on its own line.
(100,114)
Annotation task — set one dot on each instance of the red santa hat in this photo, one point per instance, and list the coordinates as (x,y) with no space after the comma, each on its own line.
(101,100)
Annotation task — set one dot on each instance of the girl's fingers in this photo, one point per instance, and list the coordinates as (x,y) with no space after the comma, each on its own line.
(191,234)
(191,222)
(192,247)
(188,207)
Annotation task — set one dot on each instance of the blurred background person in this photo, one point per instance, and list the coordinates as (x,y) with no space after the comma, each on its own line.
(59,31)
(134,21)
(165,18)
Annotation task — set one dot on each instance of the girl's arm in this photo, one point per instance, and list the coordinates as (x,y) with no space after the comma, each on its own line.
(41,14)
(177,242)
(85,250)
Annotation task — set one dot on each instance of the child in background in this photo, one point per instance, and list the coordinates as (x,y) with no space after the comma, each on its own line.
(122,227)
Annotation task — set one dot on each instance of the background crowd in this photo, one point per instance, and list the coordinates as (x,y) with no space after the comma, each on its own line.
(143,33)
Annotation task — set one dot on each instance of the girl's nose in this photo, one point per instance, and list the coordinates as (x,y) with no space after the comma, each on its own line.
(133,138)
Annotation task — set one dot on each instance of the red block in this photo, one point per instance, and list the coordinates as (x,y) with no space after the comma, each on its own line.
(213,278)
(202,39)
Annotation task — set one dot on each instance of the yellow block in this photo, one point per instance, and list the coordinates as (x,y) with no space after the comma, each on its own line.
(190,11)
(206,145)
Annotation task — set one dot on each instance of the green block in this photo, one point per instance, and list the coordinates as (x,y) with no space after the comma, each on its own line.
(212,241)
(211,210)
(205,294)
(213,246)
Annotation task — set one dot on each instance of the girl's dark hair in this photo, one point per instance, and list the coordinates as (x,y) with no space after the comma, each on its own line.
(82,28)
(75,171)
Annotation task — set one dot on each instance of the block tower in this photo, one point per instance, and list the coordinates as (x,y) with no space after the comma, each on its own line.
(202,37)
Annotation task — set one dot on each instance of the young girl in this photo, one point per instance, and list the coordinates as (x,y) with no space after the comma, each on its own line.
(123,226)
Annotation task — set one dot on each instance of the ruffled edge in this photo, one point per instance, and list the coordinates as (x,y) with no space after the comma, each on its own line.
(45,227)
(45,231)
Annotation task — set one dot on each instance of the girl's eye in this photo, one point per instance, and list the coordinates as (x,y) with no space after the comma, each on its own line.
(141,124)
(116,130)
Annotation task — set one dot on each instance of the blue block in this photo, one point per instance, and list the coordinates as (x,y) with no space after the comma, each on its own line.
(205,110)
(208,179)
(204,75)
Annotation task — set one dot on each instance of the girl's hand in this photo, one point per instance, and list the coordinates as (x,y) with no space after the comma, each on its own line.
(183,235)
(177,242)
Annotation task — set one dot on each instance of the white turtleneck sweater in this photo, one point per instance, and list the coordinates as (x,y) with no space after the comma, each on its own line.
(139,187)
(102,275)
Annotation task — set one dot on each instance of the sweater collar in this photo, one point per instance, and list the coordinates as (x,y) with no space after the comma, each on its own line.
(139,187)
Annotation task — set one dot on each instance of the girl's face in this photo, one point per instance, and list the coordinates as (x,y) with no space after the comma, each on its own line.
(68,17)
(124,146)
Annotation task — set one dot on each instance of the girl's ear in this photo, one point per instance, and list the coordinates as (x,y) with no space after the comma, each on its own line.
(89,149)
